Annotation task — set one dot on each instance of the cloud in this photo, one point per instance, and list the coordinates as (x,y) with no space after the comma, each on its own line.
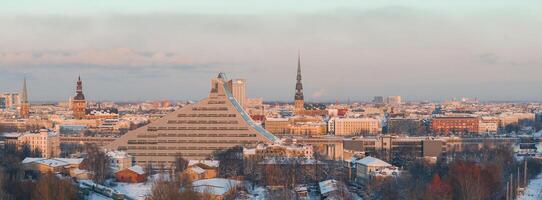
(319,93)
(104,57)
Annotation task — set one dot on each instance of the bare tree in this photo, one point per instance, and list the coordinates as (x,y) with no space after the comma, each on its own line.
(50,187)
(97,162)
(180,164)
(164,190)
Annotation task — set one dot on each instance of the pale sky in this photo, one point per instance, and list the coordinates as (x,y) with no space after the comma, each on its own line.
(128,50)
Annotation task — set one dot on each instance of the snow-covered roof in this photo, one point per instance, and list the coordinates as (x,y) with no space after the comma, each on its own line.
(29,160)
(54,162)
(117,154)
(137,169)
(328,186)
(277,119)
(71,161)
(247,151)
(210,163)
(197,170)
(288,161)
(371,161)
(11,134)
(79,171)
(215,186)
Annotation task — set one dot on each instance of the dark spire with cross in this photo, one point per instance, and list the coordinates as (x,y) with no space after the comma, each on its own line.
(298,85)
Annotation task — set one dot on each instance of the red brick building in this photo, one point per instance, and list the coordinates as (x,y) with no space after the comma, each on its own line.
(134,174)
(446,125)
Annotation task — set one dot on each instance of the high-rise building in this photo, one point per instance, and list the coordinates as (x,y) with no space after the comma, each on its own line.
(238,87)
(378,100)
(25,105)
(195,131)
(10,100)
(299,101)
(78,102)
(393,100)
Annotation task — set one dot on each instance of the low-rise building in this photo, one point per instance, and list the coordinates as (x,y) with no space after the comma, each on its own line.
(370,167)
(46,141)
(67,166)
(455,124)
(133,174)
(354,126)
(202,169)
(119,160)
(215,188)
(279,151)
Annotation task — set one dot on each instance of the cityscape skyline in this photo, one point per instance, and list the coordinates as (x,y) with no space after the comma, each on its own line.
(350,50)
(259,99)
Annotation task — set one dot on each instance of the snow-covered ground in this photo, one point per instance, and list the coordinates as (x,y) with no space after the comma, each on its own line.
(134,190)
(96,196)
(259,193)
(534,189)
(131,190)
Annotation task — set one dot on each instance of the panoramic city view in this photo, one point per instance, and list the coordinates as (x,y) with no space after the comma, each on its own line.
(270,100)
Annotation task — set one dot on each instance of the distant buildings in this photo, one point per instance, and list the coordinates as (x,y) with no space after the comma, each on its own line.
(263,151)
(47,142)
(393,100)
(408,126)
(354,126)
(378,100)
(455,124)
(10,100)
(238,87)
(299,125)
(195,131)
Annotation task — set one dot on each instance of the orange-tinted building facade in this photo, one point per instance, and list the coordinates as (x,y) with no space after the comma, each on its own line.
(447,125)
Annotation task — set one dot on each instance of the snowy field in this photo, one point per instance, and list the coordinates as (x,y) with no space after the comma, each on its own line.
(131,190)
(134,190)
(534,190)
(96,196)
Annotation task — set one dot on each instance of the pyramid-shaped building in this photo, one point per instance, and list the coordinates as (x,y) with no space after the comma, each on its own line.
(195,131)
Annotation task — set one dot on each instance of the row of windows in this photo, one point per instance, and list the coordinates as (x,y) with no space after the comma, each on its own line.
(196,128)
(407,143)
(202,122)
(174,148)
(210,108)
(194,135)
(170,154)
(206,115)
(190,141)
(216,102)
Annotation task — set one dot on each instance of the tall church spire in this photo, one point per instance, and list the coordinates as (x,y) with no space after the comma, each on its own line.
(299,103)
(298,85)
(79,90)
(24,92)
(79,104)
(25,106)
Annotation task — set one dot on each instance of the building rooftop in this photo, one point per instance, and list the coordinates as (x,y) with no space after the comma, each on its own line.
(372,161)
